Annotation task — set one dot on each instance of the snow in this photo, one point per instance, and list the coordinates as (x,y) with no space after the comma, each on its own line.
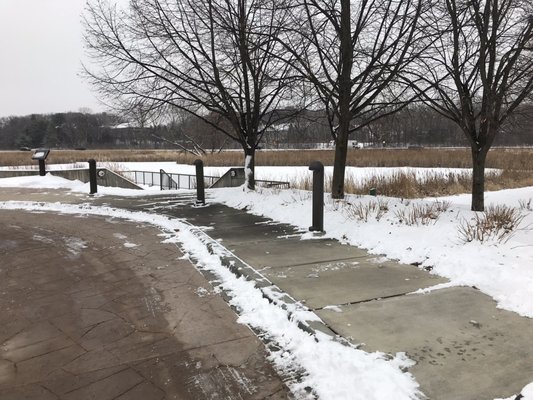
(41,182)
(169,167)
(501,269)
(527,393)
(293,173)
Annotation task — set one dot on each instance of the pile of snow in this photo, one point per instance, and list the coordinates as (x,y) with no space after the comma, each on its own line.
(42,182)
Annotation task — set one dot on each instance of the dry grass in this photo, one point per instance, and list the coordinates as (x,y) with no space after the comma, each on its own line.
(513,159)
(495,223)
(407,185)
(525,205)
(362,212)
(517,166)
(422,214)
(11,158)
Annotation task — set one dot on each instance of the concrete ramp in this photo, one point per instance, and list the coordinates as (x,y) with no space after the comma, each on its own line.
(232,178)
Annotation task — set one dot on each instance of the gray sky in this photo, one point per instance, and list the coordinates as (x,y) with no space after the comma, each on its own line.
(40,58)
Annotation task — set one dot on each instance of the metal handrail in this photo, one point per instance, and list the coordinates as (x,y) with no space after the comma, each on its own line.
(273,184)
(152,178)
(186,181)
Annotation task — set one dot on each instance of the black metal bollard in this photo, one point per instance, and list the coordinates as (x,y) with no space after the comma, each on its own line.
(318,196)
(200,189)
(42,168)
(92,176)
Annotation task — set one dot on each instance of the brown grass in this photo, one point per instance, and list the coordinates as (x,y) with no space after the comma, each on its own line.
(409,186)
(517,166)
(422,214)
(513,159)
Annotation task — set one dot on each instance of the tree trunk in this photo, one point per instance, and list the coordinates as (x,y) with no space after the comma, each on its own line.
(339,167)
(479,156)
(249,168)
(345,91)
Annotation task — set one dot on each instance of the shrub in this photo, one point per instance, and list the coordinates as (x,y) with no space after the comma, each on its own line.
(421,214)
(362,212)
(525,205)
(495,223)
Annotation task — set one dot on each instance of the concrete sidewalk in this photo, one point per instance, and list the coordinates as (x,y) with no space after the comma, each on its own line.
(464,347)
(94,308)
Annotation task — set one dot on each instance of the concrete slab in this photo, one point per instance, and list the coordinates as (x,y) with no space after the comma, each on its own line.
(259,232)
(465,348)
(232,225)
(215,214)
(349,281)
(290,252)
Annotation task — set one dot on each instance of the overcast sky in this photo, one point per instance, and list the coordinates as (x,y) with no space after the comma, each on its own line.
(40,58)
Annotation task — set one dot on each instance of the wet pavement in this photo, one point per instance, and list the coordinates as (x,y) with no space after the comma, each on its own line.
(98,308)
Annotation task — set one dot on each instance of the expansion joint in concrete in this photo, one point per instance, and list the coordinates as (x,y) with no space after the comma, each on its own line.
(364,301)
(314,262)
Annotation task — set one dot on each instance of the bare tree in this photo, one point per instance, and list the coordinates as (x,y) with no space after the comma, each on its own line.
(477,70)
(206,57)
(351,52)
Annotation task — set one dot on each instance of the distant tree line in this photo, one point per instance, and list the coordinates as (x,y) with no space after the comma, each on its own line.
(411,126)
(80,130)
(60,130)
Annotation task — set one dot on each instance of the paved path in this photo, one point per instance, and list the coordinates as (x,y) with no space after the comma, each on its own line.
(465,348)
(94,308)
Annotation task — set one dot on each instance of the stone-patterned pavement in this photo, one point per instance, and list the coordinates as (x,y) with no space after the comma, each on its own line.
(96,308)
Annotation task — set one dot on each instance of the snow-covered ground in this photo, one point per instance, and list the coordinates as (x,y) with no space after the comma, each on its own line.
(502,269)
(291,174)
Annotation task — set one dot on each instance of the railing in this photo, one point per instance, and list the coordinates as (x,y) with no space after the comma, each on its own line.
(171,181)
(273,184)
(166,180)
